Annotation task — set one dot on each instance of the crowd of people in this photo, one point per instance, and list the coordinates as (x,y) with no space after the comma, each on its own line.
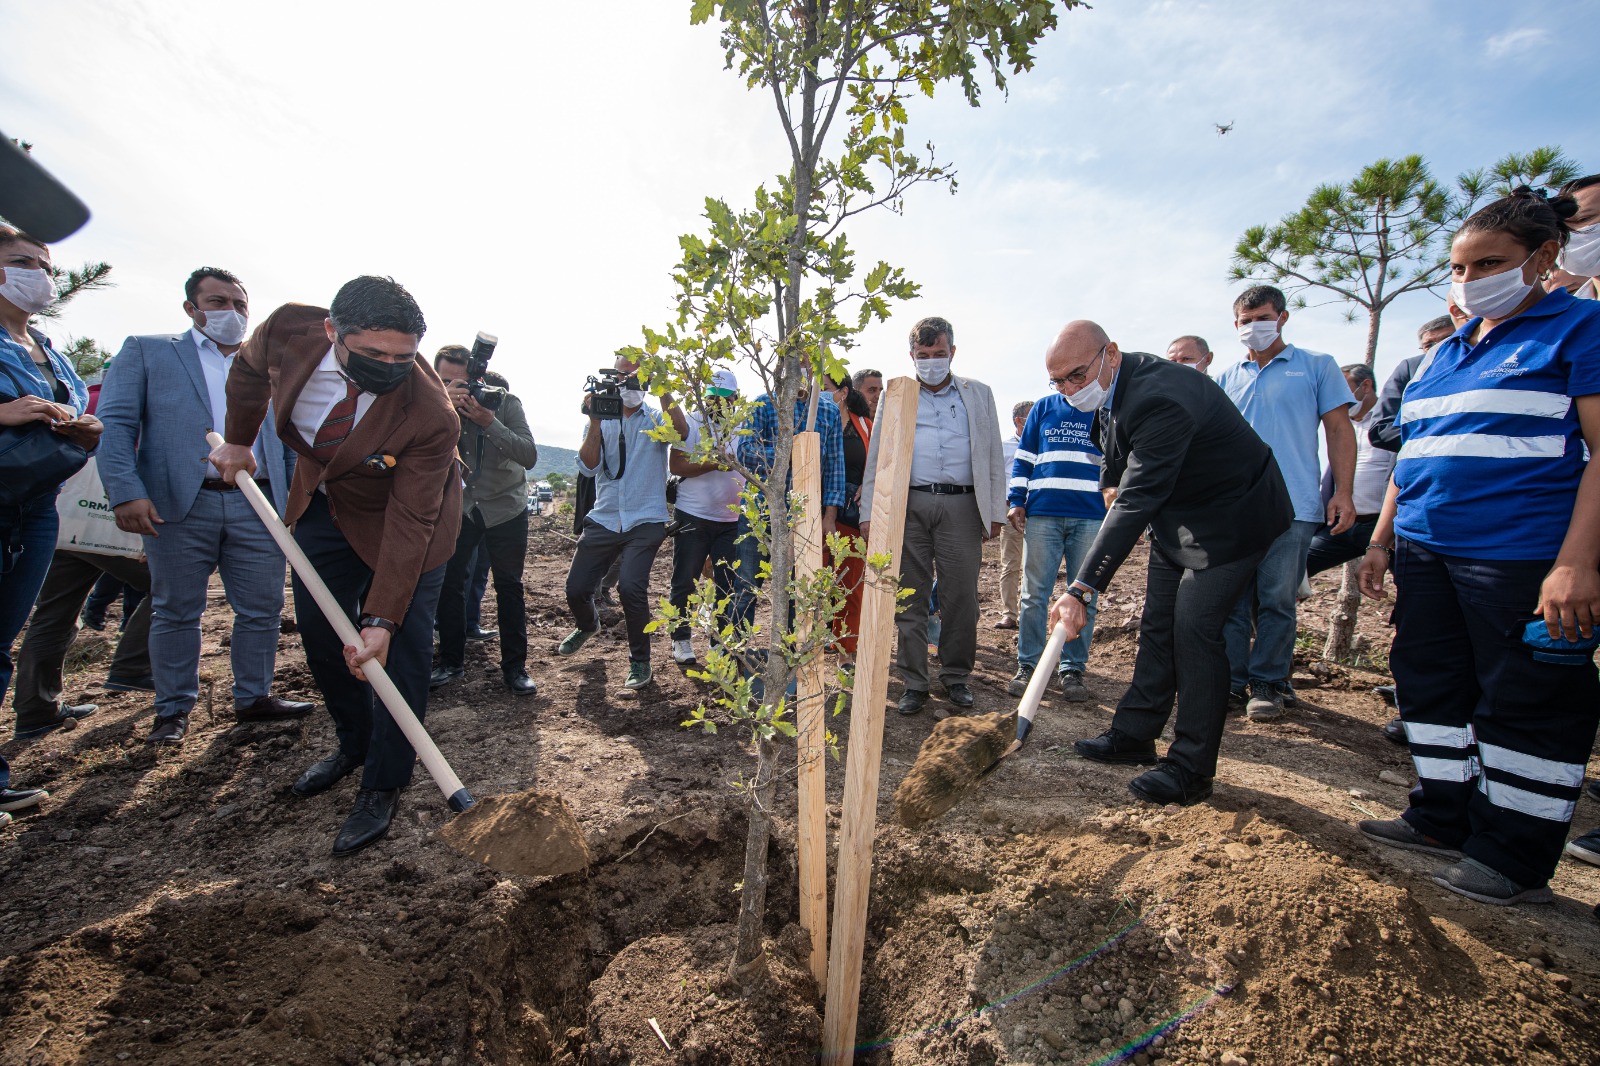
(405,482)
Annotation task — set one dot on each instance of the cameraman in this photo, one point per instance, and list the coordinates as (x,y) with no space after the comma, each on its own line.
(497,448)
(629,518)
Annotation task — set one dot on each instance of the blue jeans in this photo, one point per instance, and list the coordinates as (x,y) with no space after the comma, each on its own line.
(1046,541)
(27,544)
(222,533)
(1271,597)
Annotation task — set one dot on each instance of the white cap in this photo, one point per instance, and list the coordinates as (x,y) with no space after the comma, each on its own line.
(725,381)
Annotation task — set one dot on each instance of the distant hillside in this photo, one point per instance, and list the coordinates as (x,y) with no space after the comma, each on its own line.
(555,460)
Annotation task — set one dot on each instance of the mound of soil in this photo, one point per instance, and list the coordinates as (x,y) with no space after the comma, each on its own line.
(680,982)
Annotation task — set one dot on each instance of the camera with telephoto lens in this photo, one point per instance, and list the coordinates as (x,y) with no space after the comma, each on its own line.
(604,399)
(488,396)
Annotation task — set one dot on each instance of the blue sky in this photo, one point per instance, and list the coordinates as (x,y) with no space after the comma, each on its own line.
(527,171)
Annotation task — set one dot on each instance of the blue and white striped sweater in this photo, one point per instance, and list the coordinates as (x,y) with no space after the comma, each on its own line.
(1057,467)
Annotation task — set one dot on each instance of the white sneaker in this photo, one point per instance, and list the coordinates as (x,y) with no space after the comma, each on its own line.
(682,651)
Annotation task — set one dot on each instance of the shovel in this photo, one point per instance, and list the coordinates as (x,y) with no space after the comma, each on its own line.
(961,751)
(455,793)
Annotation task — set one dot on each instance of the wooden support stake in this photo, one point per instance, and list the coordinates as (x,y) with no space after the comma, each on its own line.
(895,429)
(810,714)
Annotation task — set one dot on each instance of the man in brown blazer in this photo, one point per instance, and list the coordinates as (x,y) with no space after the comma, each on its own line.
(375,505)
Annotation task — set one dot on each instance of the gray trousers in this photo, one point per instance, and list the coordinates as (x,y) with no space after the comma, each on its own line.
(943,539)
(55,623)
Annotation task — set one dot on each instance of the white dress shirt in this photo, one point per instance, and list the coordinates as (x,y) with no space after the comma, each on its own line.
(325,388)
(215,366)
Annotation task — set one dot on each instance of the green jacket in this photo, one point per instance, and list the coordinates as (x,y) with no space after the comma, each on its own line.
(498,458)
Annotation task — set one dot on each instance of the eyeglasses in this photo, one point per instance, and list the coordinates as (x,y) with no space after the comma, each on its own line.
(1080,375)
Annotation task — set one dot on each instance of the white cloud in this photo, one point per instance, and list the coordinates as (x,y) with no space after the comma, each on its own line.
(1513,42)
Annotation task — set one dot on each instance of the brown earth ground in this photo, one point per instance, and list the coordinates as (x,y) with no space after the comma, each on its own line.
(181,907)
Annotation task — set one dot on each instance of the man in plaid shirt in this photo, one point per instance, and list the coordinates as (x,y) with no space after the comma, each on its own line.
(756,452)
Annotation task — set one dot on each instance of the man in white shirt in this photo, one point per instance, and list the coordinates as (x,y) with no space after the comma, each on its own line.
(1373,467)
(162,394)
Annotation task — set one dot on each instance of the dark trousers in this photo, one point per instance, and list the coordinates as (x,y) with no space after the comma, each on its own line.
(71,577)
(105,593)
(507,547)
(1182,655)
(477,582)
(636,549)
(27,545)
(1499,739)
(1329,550)
(366,730)
(697,540)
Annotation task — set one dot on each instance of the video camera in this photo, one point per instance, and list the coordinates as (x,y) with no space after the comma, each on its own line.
(604,398)
(488,396)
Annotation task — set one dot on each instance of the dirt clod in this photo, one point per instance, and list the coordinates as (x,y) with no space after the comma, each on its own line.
(533,834)
(952,759)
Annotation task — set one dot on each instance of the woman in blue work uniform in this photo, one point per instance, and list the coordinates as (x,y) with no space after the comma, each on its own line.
(1492,521)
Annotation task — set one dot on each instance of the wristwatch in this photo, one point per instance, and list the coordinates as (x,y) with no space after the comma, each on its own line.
(372,621)
(1081,595)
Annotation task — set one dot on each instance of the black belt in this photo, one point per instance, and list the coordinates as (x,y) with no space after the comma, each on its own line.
(216,484)
(1366,518)
(943,490)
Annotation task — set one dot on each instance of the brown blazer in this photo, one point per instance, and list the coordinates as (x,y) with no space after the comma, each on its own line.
(402,521)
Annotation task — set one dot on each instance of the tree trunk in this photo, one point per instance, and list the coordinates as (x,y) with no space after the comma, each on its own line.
(1374,318)
(749,958)
(1342,623)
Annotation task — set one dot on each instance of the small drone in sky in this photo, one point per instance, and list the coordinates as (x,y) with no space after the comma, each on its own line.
(1222,130)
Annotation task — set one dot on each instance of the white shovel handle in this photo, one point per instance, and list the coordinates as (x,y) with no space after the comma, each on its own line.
(455,793)
(1040,680)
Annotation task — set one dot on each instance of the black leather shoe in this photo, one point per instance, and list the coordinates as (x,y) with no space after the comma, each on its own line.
(369,820)
(479,633)
(169,730)
(1394,729)
(1170,783)
(959,694)
(443,675)
(1116,746)
(519,682)
(324,774)
(130,684)
(273,709)
(912,701)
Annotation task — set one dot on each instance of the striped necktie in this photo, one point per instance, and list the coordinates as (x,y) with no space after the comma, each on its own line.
(336,427)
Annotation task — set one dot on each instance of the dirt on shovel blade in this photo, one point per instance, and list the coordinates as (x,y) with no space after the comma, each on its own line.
(956,754)
(533,834)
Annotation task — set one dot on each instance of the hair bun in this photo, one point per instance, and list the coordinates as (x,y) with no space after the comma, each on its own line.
(1564,205)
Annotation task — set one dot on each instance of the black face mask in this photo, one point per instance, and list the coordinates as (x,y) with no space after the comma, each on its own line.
(374,375)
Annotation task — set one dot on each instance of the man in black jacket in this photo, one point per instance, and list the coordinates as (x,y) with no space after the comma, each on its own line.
(1187,466)
(1384,433)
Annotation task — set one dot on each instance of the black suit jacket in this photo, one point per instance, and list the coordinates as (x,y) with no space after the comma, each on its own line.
(1186,465)
(1384,433)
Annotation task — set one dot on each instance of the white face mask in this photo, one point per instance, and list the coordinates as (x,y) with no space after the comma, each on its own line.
(633,397)
(224,327)
(1258,336)
(1093,394)
(1581,256)
(28,288)
(932,371)
(1493,296)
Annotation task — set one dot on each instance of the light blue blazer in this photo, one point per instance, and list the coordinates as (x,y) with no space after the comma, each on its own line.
(157,411)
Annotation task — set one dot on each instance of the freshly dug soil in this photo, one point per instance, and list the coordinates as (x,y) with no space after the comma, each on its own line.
(956,754)
(182,907)
(533,834)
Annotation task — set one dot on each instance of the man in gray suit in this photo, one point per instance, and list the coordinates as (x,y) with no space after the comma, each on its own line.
(957,501)
(161,396)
